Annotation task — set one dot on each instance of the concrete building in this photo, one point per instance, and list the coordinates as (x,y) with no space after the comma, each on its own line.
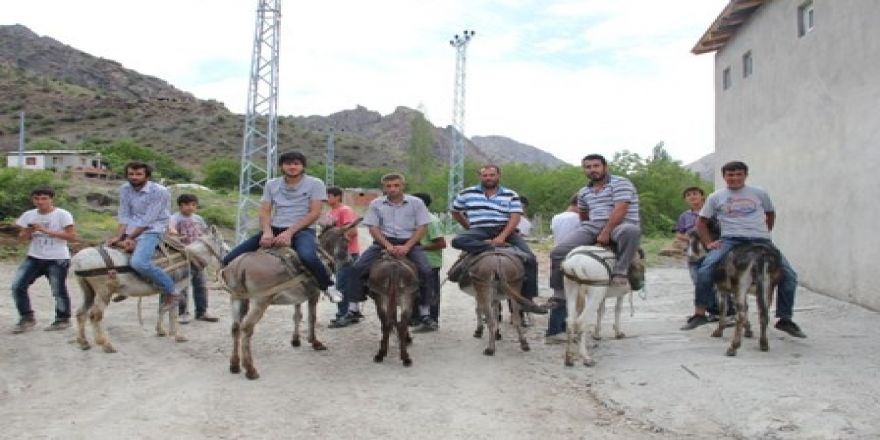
(797,97)
(86,162)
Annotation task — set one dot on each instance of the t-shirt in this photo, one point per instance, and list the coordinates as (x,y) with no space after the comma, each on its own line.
(563,223)
(687,221)
(525,226)
(42,245)
(343,215)
(189,228)
(600,204)
(435,231)
(292,202)
(740,213)
(487,211)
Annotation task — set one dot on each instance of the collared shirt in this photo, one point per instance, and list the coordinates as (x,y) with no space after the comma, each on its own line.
(687,221)
(487,211)
(600,204)
(146,207)
(292,202)
(397,220)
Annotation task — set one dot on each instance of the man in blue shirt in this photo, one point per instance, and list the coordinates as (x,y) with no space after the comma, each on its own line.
(490,214)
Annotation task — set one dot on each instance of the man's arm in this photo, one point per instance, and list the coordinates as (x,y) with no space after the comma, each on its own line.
(770,219)
(461,219)
(703,232)
(266,223)
(435,244)
(379,237)
(501,238)
(617,215)
(283,239)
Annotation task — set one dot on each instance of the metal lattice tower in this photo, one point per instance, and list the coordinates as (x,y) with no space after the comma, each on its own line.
(259,150)
(456,152)
(331,167)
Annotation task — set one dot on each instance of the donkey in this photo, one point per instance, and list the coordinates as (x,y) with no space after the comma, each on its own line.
(104,272)
(256,280)
(494,276)
(394,284)
(587,271)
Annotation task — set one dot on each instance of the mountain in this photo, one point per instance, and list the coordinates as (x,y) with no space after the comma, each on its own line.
(704,166)
(502,149)
(70,97)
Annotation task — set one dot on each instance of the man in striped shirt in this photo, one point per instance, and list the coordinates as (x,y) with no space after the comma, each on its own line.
(609,210)
(490,214)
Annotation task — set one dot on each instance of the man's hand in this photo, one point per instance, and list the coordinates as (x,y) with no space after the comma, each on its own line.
(498,242)
(266,240)
(714,245)
(399,250)
(128,245)
(604,238)
(282,239)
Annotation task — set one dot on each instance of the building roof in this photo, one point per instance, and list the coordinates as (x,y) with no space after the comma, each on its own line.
(734,15)
(82,152)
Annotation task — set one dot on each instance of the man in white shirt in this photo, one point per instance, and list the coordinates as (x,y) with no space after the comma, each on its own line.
(561,224)
(49,229)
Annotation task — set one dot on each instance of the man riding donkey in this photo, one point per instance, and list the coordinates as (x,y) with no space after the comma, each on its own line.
(609,210)
(397,222)
(289,207)
(490,213)
(745,215)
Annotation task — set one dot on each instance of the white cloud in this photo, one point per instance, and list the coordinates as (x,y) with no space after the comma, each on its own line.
(571,77)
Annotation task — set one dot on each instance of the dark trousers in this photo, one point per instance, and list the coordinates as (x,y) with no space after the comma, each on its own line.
(199,291)
(343,275)
(355,291)
(304,242)
(31,269)
(476,240)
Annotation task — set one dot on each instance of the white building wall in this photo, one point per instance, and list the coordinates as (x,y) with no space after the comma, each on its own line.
(807,122)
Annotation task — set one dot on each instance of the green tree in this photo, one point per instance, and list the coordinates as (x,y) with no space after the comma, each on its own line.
(120,152)
(421,159)
(221,173)
(17,186)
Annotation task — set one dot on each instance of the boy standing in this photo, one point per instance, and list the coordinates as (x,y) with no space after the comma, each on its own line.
(49,229)
(188,227)
(341,215)
(433,244)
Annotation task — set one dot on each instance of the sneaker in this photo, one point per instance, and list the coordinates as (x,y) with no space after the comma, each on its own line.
(207,318)
(428,325)
(184,318)
(59,324)
(789,327)
(333,295)
(343,321)
(24,324)
(556,338)
(695,321)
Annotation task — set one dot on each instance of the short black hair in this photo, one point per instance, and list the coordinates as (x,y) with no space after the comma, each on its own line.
(334,191)
(426,198)
(692,189)
(139,165)
(598,157)
(735,166)
(43,190)
(292,156)
(187,198)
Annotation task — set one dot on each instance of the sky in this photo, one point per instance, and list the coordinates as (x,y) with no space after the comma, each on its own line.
(569,77)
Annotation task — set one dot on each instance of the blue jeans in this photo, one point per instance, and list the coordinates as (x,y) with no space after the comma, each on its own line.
(474,241)
(142,261)
(304,242)
(342,276)
(705,289)
(200,293)
(556,322)
(55,271)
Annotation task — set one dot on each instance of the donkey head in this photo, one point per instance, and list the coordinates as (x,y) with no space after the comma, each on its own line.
(210,246)
(334,240)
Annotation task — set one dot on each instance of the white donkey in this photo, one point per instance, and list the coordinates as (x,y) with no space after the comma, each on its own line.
(103,272)
(587,271)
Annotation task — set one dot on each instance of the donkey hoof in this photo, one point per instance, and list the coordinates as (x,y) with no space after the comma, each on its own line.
(497,336)
(295,342)
(180,338)
(489,352)
(109,349)
(717,334)
(252,375)
(161,333)
(569,363)
(596,337)
(83,344)
(765,346)
(589,363)
(234,369)
(525,346)
(620,335)
(378,359)
(478,334)
(407,362)
(318,346)
(731,352)
(749,334)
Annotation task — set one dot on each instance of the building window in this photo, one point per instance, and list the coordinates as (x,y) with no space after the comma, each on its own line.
(806,18)
(30,161)
(747,64)
(725,79)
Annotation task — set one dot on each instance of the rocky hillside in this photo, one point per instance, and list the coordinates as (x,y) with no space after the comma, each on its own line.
(72,97)
(704,166)
(503,149)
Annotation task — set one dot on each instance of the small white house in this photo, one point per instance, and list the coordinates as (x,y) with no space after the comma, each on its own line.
(86,162)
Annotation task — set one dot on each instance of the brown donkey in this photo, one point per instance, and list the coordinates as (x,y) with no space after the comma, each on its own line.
(393,284)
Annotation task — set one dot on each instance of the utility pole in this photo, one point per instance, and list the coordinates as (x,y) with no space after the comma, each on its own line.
(21,143)
(259,150)
(331,167)
(456,151)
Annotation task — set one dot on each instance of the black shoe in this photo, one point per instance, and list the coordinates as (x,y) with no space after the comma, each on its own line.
(695,321)
(428,325)
(356,316)
(789,327)
(207,318)
(24,324)
(553,303)
(343,321)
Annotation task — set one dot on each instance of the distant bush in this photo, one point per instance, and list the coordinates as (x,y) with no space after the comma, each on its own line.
(17,186)
(218,215)
(118,153)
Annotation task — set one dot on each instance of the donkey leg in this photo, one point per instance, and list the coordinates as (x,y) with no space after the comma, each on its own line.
(478,333)
(239,309)
(492,324)
(174,324)
(297,321)
(722,298)
(247,328)
(597,330)
(384,320)
(313,320)
(572,292)
(82,313)
(618,307)
(402,336)
(96,315)
(517,323)
(741,317)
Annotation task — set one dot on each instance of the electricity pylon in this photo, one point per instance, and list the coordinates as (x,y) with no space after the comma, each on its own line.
(456,151)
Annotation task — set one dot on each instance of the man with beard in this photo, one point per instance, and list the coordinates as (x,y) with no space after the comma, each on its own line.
(143,218)
(289,207)
(609,210)
(490,214)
